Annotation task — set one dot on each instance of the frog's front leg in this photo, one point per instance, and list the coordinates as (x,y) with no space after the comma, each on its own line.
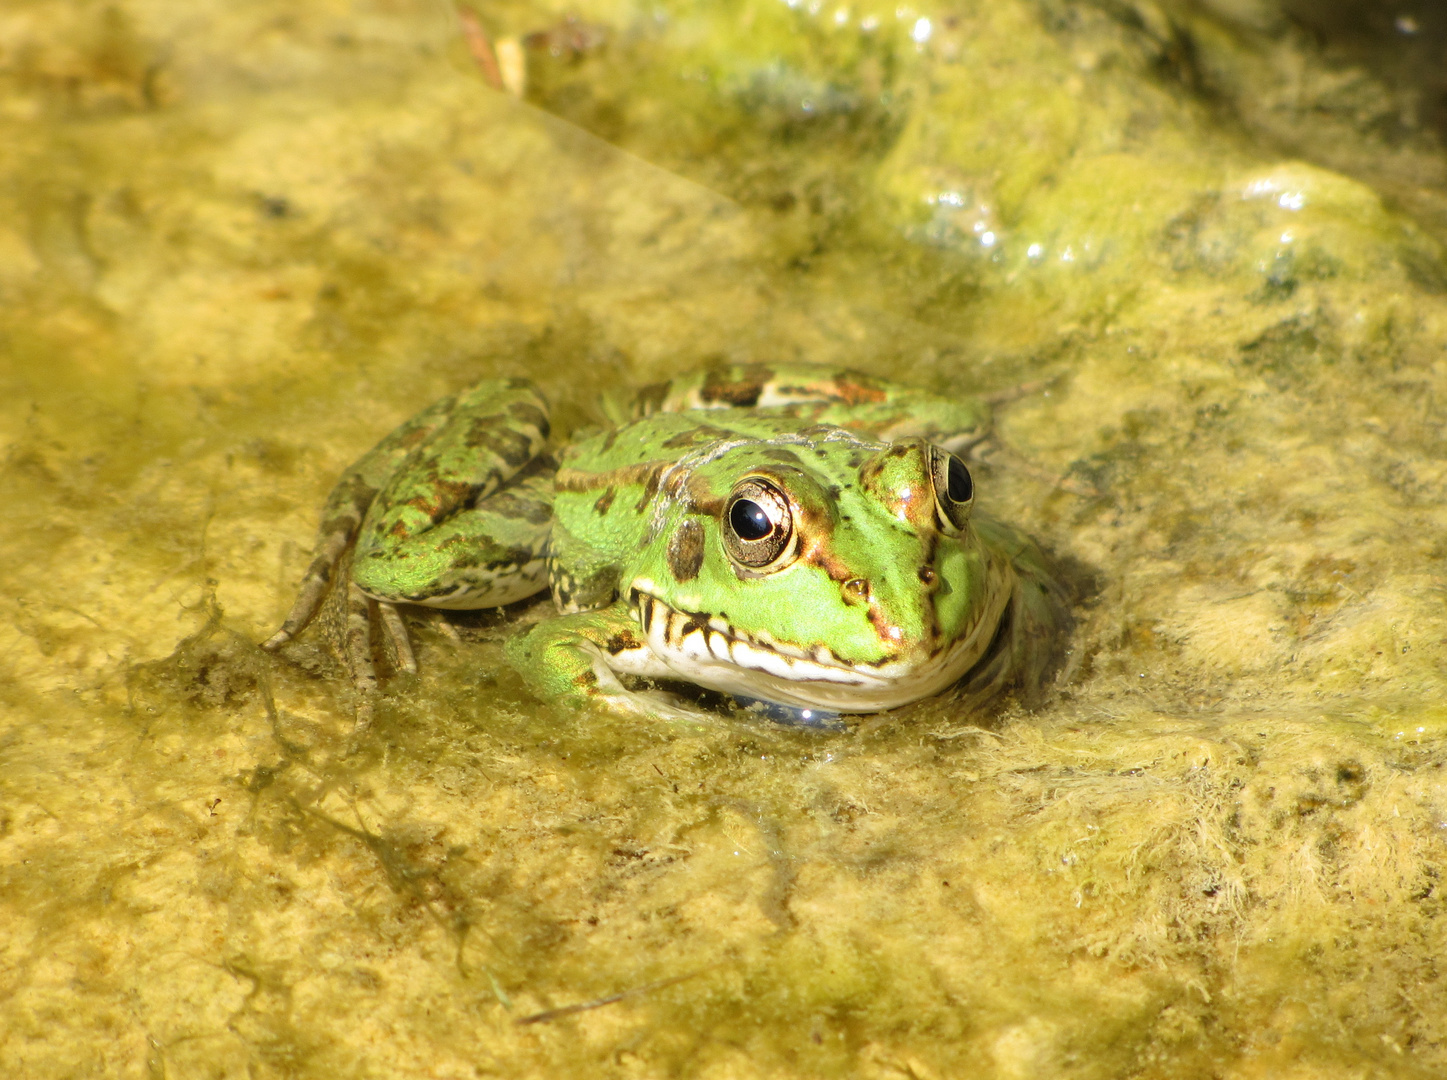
(576,659)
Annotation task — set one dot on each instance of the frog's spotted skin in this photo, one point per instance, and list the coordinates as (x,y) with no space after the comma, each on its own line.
(794,535)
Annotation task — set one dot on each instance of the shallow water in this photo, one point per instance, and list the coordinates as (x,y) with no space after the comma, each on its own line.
(239,243)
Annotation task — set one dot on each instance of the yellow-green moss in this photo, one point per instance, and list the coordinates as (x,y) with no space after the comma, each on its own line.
(240,242)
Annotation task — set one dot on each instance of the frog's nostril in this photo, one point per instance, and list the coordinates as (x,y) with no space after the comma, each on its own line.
(927,575)
(856,591)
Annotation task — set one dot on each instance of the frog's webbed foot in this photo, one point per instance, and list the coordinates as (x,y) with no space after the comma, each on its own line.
(351,633)
(355,625)
(651,704)
(346,506)
(575,660)
(599,686)
(360,657)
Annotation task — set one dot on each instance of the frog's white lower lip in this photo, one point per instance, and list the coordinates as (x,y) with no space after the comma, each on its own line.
(708,651)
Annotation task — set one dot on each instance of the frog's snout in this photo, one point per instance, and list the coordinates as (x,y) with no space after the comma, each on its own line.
(859,591)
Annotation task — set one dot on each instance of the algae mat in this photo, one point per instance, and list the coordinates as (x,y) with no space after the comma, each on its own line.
(239,242)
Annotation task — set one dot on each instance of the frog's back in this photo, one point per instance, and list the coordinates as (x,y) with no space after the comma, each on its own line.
(667,437)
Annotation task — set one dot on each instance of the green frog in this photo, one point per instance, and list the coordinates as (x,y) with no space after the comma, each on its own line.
(793,535)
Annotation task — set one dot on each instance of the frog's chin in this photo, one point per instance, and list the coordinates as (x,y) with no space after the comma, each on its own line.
(706,650)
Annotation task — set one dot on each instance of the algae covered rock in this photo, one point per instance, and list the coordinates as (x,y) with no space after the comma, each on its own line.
(240,242)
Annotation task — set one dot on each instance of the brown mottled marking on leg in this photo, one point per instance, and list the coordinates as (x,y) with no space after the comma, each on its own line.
(345,509)
(467,459)
(359,641)
(397,631)
(493,433)
(438,502)
(527,413)
(604,501)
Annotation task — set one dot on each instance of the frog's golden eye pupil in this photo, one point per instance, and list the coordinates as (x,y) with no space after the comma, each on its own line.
(960,488)
(749,520)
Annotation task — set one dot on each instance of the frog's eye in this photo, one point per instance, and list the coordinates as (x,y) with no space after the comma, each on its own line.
(757,524)
(954,490)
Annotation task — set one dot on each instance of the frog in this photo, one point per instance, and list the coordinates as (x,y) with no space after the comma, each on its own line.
(792,535)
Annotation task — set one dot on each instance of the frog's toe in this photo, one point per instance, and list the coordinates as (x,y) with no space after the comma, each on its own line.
(650,705)
(654,698)
(396,628)
(362,715)
(358,640)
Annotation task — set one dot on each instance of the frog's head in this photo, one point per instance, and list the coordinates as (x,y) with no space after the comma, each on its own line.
(821,572)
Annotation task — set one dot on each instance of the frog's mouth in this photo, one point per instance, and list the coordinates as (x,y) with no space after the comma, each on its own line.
(709,651)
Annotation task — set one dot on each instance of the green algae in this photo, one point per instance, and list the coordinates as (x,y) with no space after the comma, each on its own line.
(240,245)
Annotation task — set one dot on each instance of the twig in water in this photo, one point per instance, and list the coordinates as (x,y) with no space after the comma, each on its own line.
(568,1010)
(480,45)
